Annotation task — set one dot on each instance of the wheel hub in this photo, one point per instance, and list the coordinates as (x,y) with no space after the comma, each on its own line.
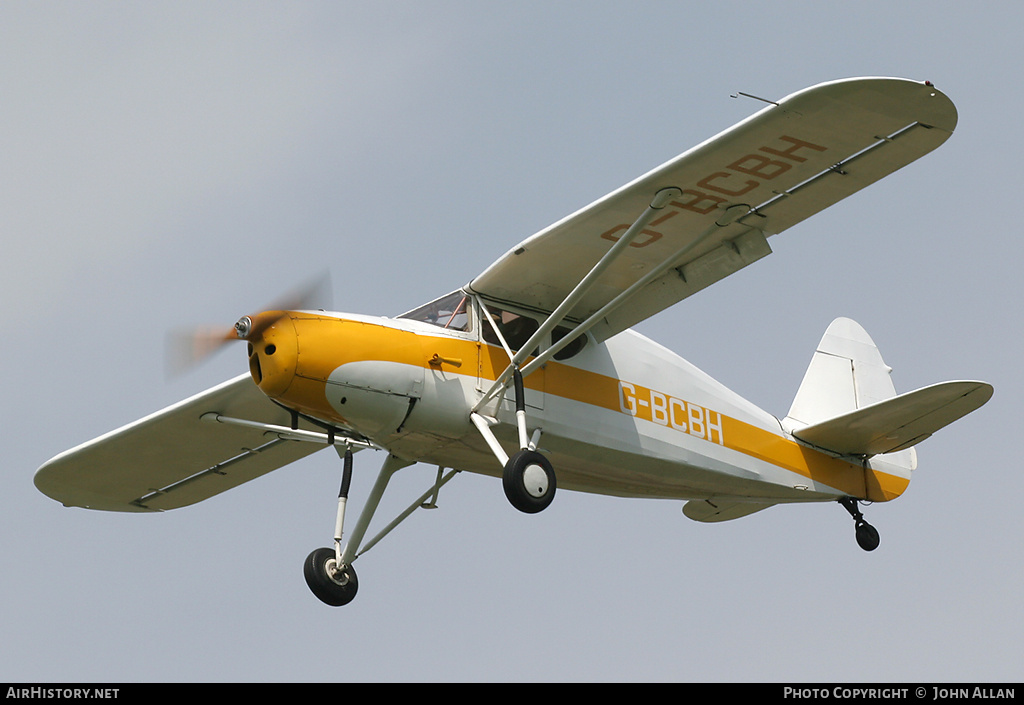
(535,480)
(337,575)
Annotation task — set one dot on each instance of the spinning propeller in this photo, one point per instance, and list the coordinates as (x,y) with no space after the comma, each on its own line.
(188,347)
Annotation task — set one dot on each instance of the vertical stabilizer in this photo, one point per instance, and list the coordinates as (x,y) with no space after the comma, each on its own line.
(846,373)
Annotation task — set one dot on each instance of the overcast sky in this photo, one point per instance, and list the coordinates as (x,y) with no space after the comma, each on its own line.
(174,163)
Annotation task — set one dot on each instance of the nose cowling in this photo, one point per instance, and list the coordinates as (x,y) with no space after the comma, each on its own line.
(273,353)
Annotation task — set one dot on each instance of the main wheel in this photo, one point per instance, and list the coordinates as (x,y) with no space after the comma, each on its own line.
(867,536)
(529,481)
(332,586)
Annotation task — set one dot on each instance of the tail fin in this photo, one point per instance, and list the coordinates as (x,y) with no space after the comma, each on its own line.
(847,404)
(846,373)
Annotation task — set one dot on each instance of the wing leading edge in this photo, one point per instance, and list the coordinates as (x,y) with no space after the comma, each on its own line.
(174,457)
(758,178)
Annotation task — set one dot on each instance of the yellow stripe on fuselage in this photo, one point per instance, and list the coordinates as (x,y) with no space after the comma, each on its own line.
(326,343)
(606,392)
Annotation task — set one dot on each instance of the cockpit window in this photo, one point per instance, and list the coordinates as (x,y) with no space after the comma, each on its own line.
(515,329)
(572,348)
(450,312)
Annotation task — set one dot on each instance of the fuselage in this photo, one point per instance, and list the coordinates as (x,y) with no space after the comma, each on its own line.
(625,417)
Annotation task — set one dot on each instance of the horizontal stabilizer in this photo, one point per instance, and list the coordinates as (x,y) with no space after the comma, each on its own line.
(714,510)
(899,422)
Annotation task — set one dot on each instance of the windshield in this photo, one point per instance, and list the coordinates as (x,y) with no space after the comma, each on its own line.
(450,312)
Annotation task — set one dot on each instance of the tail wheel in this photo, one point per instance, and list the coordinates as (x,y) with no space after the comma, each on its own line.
(867,536)
(529,481)
(333,586)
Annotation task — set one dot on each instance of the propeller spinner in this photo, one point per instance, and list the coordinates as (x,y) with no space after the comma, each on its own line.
(187,348)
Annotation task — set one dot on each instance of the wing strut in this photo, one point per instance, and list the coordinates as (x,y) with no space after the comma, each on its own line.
(527,476)
(660,200)
(731,215)
(285,433)
(280,434)
(516,370)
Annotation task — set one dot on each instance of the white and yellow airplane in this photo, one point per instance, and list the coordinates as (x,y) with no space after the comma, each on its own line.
(530,372)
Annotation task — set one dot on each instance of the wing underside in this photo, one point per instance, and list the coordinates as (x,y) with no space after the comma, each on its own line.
(762,176)
(175,457)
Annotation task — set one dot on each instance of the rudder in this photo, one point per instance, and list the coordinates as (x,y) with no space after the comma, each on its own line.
(846,373)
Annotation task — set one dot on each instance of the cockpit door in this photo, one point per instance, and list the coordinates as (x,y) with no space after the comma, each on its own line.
(516,328)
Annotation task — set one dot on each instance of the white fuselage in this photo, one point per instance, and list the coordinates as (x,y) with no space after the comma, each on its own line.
(626,417)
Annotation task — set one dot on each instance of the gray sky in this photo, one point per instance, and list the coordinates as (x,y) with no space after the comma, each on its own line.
(167,164)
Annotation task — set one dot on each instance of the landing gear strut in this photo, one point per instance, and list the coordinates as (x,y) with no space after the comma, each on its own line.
(867,535)
(328,571)
(527,476)
(331,580)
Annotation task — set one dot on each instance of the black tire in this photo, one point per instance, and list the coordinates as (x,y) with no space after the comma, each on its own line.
(332,590)
(529,481)
(867,536)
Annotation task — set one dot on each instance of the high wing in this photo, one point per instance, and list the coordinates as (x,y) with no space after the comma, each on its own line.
(717,203)
(176,457)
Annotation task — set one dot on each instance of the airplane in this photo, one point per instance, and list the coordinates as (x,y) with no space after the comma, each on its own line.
(530,372)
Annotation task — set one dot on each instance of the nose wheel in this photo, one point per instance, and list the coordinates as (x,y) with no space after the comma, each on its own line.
(867,535)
